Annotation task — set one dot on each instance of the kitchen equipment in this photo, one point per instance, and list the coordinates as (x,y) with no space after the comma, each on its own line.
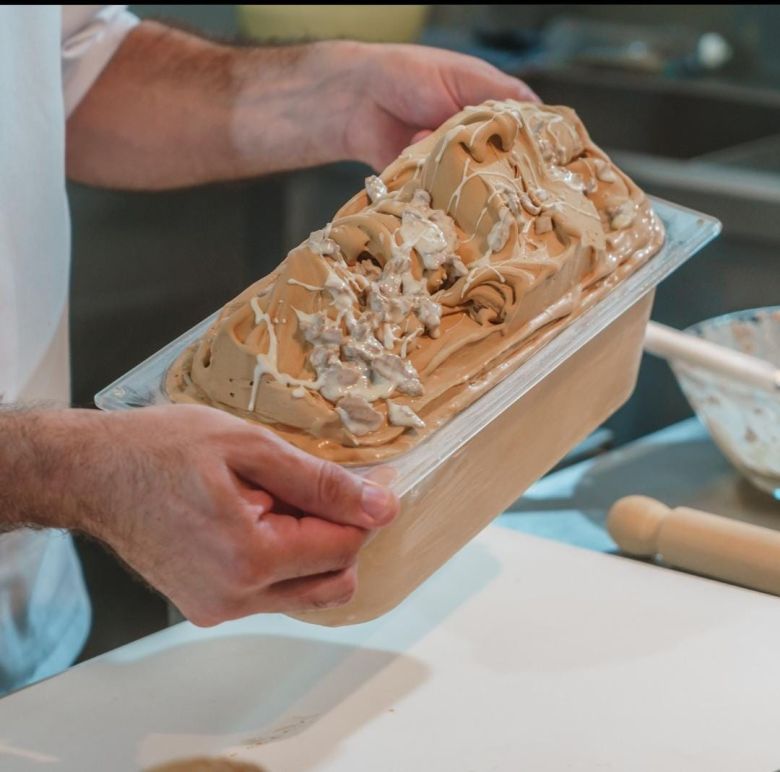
(697,541)
(668,49)
(455,482)
(743,416)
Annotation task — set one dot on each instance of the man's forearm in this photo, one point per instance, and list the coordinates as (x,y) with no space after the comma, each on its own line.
(171,109)
(41,453)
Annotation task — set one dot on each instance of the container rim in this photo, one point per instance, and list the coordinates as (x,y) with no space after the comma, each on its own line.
(687,231)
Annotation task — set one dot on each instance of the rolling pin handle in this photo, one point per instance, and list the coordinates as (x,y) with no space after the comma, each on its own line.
(699,542)
(634,522)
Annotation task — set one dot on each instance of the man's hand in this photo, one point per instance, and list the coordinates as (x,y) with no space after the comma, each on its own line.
(402,91)
(171,109)
(222,517)
(364,102)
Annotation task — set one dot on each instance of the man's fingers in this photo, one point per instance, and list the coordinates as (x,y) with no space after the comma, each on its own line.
(312,485)
(486,82)
(470,81)
(305,546)
(523,92)
(314,592)
(270,570)
(259,500)
(333,588)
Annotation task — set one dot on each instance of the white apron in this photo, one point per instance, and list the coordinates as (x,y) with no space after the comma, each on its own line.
(49,57)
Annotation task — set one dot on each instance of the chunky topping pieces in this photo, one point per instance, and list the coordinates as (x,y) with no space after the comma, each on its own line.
(403,415)
(360,354)
(358,416)
(375,188)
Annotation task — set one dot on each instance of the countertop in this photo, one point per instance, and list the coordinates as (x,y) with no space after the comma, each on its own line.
(521,653)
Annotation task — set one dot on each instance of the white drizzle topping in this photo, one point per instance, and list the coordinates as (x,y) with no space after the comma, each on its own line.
(267,363)
(499,233)
(309,287)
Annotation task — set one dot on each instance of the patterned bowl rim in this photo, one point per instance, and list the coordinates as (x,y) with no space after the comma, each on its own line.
(746,315)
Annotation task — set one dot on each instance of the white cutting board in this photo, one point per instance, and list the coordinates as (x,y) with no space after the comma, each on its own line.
(520,654)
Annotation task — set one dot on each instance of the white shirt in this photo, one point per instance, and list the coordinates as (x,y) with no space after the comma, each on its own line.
(49,58)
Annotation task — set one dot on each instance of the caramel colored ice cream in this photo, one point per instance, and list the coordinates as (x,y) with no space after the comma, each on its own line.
(465,256)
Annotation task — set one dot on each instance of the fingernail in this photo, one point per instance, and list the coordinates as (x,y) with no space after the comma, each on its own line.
(376,502)
(382,475)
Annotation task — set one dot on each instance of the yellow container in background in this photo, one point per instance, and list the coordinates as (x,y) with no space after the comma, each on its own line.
(372,23)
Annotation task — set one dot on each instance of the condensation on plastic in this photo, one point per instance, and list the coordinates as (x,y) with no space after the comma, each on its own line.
(687,231)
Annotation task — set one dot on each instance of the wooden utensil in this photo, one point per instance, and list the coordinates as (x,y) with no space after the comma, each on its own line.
(708,544)
(668,343)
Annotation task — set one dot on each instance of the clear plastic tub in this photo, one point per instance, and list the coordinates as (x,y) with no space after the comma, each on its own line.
(456,481)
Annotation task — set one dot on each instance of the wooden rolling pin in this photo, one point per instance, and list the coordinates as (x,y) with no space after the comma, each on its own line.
(696,541)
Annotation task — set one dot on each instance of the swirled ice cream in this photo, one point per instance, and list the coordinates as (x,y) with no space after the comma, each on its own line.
(466,255)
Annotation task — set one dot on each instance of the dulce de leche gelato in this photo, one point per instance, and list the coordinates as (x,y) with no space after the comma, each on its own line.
(469,252)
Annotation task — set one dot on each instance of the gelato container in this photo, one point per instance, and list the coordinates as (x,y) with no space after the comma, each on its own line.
(457,480)
(744,421)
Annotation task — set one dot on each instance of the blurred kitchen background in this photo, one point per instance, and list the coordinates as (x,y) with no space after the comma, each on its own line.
(685,98)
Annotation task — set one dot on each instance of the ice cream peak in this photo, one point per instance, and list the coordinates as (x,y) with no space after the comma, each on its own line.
(504,222)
